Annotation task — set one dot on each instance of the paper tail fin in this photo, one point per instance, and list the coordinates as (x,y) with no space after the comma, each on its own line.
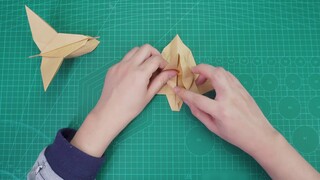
(49,68)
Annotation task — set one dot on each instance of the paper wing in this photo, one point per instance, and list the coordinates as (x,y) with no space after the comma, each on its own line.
(42,33)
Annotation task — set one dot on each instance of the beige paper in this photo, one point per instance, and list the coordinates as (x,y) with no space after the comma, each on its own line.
(55,47)
(180,58)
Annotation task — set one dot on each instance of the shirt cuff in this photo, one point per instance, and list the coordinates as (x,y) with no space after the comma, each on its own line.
(68,161)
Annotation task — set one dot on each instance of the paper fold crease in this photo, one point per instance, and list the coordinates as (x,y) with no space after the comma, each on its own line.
(180,58)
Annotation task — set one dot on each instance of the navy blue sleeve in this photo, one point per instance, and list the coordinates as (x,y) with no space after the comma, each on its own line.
(69,162)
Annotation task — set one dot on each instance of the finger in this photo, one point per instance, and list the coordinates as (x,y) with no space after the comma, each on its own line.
(242,90)
(235,83)
(201,79)
(217,76)
(204,69)
(159,81)
(144,53)
(130,54)
(205,118)
(228,76)
(234,79)
(153,63)
(199,101)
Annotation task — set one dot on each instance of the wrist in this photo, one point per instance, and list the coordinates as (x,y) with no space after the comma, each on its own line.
(282,161)
(269,146)
(110,113)
(95,134)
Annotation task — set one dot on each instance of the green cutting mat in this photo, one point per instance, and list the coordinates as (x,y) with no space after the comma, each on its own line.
(273,47)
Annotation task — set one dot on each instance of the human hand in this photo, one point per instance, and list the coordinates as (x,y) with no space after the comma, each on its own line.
(233,114)
(129,86)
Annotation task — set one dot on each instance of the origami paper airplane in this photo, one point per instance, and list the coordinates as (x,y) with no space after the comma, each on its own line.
(55,46)
(180,58)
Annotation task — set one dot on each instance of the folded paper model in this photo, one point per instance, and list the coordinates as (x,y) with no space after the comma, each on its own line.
(180,58)
(55,46)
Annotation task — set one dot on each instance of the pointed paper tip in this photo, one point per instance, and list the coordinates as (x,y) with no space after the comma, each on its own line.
(27,8)
(45,87)
(96,37)
(34,56)
(177,37)
(45,84)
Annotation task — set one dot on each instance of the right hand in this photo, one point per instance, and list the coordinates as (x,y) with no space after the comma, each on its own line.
(233,114)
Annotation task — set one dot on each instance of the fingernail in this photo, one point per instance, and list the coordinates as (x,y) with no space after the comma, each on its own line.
(176,89)
(172,74)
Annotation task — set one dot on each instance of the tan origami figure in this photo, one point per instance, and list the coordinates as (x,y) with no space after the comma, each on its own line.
(55,46)
(180,58)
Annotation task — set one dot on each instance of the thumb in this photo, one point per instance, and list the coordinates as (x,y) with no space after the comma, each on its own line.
(199,101)
(160,80)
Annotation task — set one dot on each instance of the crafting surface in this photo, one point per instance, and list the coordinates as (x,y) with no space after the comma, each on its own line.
(273,47)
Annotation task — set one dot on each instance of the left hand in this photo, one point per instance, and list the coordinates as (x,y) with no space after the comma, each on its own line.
(129,86)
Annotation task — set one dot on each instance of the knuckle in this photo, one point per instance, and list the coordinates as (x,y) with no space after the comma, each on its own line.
(169,76)
(132,50)
(147,46)
(155,60)
(220,69)
(140,72)
(202,65)
(157,57)
(162,82)
(112,69)
(194,112)
(206,66)
(182,93)
(188,96)
(218,73)
(191,97)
